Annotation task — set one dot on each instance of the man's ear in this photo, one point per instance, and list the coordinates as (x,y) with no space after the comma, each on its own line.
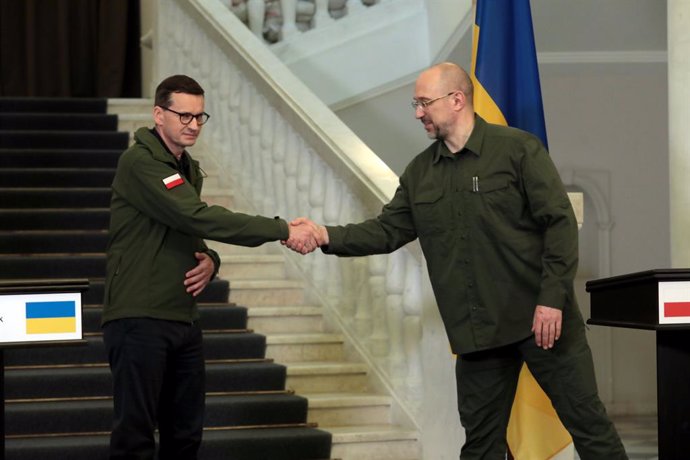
(460,100)
(158,115)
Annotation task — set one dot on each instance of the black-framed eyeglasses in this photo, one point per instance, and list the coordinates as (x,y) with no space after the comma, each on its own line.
(424,104)
(186,117)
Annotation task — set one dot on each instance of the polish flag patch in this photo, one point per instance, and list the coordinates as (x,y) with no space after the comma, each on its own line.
(173,181)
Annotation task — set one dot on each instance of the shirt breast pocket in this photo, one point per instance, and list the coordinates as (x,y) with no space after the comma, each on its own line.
(427,209)
(500,196)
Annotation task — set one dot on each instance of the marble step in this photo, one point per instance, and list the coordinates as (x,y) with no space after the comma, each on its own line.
(290,348)
(348,409)
(327,377)
(374,442)
(252,267)
(215,194)
(132,114)
(285,319)
(252,293)
(130,106)
(224,249)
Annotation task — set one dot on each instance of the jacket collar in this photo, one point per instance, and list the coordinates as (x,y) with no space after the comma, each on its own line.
(160,152)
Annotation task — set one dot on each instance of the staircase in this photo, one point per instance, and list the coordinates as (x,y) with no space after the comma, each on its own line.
(57,159)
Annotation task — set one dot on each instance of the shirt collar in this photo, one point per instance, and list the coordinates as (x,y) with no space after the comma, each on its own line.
(473,144)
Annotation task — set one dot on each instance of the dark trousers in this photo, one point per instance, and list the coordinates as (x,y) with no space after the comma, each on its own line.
(487,382)
(158,381)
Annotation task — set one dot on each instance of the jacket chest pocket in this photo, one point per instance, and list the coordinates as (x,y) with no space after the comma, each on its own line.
(429,212)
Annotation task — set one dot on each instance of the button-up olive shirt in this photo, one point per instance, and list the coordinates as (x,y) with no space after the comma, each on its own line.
(496,227)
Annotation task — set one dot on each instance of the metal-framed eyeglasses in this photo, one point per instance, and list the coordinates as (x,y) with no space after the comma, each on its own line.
(186,117)
(424,104)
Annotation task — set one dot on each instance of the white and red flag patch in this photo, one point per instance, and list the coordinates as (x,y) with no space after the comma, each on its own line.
(173,181)
(676,309)
(674,302)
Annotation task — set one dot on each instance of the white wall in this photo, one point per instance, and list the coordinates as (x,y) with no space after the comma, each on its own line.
(610,121)
(443,17)
(386,122)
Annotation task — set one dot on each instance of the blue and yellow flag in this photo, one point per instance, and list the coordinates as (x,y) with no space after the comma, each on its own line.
(53,317)
(507,91)
(504,66)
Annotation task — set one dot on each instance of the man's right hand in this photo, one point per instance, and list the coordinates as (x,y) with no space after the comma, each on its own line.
(306,236)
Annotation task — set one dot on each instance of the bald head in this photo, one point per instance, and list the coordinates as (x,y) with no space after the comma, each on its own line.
(446,77)
(443,95)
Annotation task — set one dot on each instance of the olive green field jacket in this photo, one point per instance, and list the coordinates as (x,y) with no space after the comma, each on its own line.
(157,223)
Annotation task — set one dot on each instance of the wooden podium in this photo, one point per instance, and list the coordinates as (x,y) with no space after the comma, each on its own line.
(38,313)
(657,300)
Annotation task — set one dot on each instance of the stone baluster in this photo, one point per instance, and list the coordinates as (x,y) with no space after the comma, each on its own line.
(333,198)
(355,6)
(375,310)
(379,340)
(245,172)
(289,9)
(412,328)
(234,161)
(362,316)
(348,299)
(303,183)
(292,154)
(257,187)
(256,12)
(321,17)
(278,165)
(317,193)
(394,311)
(268,133)
(304,176)
(217,105)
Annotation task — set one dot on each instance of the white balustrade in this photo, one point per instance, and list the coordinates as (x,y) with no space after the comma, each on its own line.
(279,168)
(276,20)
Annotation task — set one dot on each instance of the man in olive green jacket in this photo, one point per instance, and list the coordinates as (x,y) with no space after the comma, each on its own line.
(500,239)
(157,263)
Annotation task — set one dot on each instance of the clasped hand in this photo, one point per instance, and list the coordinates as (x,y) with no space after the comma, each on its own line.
(305,236)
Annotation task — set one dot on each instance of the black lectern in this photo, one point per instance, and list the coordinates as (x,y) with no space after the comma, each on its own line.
(657,300)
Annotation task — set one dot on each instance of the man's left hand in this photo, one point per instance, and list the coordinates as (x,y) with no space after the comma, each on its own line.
(547,326)
(197,278)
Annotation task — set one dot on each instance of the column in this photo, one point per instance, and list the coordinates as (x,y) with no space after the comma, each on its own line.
(679,137)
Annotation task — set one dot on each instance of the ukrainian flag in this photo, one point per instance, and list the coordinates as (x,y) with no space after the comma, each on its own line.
(51,317)
(507,91)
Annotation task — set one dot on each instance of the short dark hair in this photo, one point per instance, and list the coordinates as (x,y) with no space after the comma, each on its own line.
(176,84)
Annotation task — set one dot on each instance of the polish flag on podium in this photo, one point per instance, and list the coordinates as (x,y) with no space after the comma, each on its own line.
(507,91)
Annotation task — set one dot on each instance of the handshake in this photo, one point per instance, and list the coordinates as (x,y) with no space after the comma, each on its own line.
(306,236)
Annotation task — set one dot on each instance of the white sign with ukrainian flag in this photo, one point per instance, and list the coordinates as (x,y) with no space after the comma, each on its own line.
(45,317)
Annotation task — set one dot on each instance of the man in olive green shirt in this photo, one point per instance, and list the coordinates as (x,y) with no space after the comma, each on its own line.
(157,264)
(500,238)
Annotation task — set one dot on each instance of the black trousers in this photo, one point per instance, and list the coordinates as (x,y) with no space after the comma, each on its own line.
(487,381)
(158,381)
